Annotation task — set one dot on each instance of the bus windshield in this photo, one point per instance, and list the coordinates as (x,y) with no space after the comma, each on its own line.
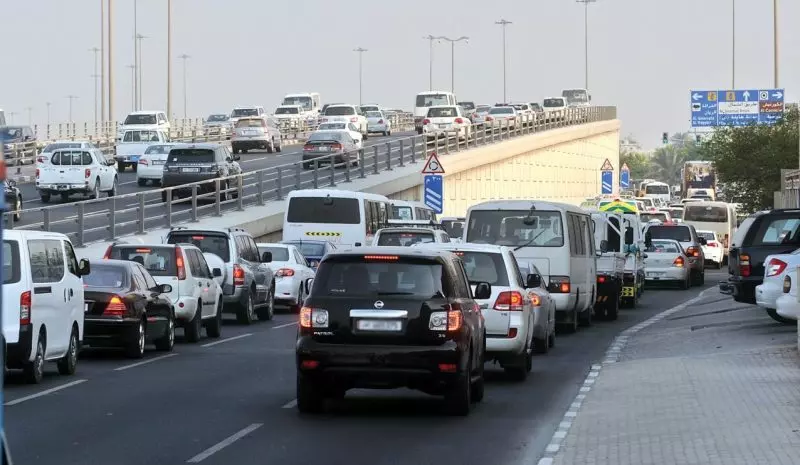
(516,228)
(656,189)
(705,213)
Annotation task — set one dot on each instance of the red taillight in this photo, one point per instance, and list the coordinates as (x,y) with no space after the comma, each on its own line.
(775,267)
(309,364)
(87,173)
(115,307)
(354,120)
(474,115)
(285,272)
(693,252)
(380,121)
(336,146)
(601,279)
(143,161)
(459,121)
(179,263)
(308,148)
(744,265)
(559,285)
(712,244)
(678,262)
(536,301)
(489,118)
(37,172)
(107,255)
(25,308)
(238,275)
(426,121)
(455,319)
(509,301)
(40,159)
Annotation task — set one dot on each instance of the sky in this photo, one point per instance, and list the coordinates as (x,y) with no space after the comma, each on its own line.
(644,55)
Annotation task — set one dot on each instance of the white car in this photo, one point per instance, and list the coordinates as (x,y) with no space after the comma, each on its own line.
(378,122)
(713,249)
(291,272)
(196,297)
(289,116)
(43,305)
(666,261)
(351,129)
(409,236)
(787,306)
(347,114)
(145,120)
(448,121)
(44,156)
(72,171)
(776,268)
(151,165)
(502,117)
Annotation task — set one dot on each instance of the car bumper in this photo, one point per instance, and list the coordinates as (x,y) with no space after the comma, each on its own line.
(377,127)
(179,179)
(21,351)
(149,172)
(233,297)
(249,142)
(323,157)
(564,302)
(434,132)
(665,274)
(742,289)
(788,307)
(767,294)
(64,188)
(131,159)
(287,290)
(185,308)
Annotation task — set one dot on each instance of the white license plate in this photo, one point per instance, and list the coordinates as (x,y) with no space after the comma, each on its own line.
(63,187)
(379,325)
(323,148)
(85,308)
(157,162)
(190,170)
(442,126)
(654,274)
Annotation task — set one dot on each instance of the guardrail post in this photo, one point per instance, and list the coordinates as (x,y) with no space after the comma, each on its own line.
(347,164)
(375,159)
(413,150)
(46,219)
(361,173)
(239,192)
(139,213)
(112,216)
(168,204)
(193,211)
(402,163)
(217,199)
(298,170)
(80,206)
(8,219)
(388,156)
(315,167)
(446,144)
(332,165)
(260,186)
(278,186)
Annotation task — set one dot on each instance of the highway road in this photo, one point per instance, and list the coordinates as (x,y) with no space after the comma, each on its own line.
(231,401)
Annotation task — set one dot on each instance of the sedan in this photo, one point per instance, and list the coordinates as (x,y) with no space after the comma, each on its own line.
(666,261)
(218,124)
(313,251)
(502,117)
(330,146)
(544,308)
(291,272)
(256,133)
(378,122)
(339,126)
(125,308)
(151,165)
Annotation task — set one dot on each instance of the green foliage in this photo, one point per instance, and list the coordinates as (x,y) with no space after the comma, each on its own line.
(749,160)
(638,162)
(665,163)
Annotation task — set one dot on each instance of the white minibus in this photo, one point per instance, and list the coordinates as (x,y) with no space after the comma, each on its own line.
(658,190)
(407,210)
(719,217)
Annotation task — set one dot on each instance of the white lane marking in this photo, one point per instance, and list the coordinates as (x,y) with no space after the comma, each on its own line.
(291,404)
(222,341)
(285,325)
(224,443)
(145,362)
(44,393)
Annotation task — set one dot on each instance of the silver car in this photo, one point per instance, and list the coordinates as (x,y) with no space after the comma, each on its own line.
(324,146)
(666,261)
(478,116)
(378,122)
(690,242)
(218,123)
(252,133)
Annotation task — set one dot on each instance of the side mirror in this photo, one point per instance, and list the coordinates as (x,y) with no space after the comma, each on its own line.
(483,291)
(266,257)
(229,159)
(648,240)
(309,282)
(111,162)
(164,288)
(534,280)
(217,273)
(604,246)
(702,240)
(236,157)
(83,267)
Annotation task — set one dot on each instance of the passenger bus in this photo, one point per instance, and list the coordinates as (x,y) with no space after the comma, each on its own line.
(658,190)
(408,210)
(343,218)
(719,217)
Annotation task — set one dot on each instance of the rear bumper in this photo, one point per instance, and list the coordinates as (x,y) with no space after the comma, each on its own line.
(174,179)
(742,289)
(247,144)
(233,297)
(17,353)
(63,188)
(109,333)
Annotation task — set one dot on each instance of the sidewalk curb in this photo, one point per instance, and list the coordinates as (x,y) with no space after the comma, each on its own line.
(611,356)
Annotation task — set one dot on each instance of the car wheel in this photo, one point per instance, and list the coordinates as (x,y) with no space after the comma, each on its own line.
(296,307)
(136,343)
(686,283)
(266,313)
(141,182)
(270,146)
(45,198)
(167,342)
(458,399)
(214,325)
(113,190)
(542,346)
(192,327)
(612,308)
(586,317)
(34,370)
(278,148)
(65,197)
(517,370)
(244,314)
(774,315)
(69,362)
(96,190)
(310,398)
(478,388)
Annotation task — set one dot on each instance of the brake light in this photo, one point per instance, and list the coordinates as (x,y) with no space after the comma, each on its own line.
(474,115)
(107,255)
(87,173)
(775,267)
(459,121)
(37,172)
(426,121)
(381,257)
(509,301)
(308,148)
(285,272)
(25,308)
(712,244)
(180,264)
(336,146)
(450,320)
(312,318)
(354,120)
(601,279)
(40,159)
(198,238)
(693,252)
(744,265)
(678,262)
(559,284)
(115,307)
(489,118)
(238,275)
(787,284)
(143,161)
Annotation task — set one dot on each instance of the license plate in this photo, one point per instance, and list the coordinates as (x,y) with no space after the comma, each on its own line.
(158,162)
(442,126)
(63,187)
(133,158)
(654,274)
(323,148)
(190,170)
(379,325)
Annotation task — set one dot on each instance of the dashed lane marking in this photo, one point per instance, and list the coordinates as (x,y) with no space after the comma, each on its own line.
(294,323)
(224,443)
(144,362)
(44,393)
(222,341)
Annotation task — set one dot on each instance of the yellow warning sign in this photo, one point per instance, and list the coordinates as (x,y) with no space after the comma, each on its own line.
(712,96)
(730,96)
(607,166)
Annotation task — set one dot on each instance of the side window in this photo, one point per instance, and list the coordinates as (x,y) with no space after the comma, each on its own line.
(251,244)
(240,249)
(517,273)
(148,280)
(204,268)
(193,265)
(138,278)
(368,217)
(40,262)
(588,238)
(463,289)
(72,262)
(383,210)
(574,246)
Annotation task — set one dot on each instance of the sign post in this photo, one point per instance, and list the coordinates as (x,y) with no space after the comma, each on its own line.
(712,108)
(624,176)
(433,185)
(607,178)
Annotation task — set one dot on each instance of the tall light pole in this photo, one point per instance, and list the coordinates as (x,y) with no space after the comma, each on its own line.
(169,62)
(110,61)
(430,38)
(586,40)
(96,77)
(185,57)
(504,23)
(139,80)
(360,51)
(47,104)
(775,38)
(453,59)
(71,98)
(136,53)
(103,59)
(133,86)
(733,44)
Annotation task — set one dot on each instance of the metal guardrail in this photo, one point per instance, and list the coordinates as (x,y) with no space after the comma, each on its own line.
(111,217)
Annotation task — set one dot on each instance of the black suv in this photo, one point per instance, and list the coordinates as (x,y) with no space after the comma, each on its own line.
(389,317)
(198,163)
(761,234)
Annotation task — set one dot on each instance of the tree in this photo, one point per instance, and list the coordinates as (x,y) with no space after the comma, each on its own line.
(749,160)
(638,163)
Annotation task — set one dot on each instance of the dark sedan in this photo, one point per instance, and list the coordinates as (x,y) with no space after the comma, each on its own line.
(13,197)
(323,146)
(125,308)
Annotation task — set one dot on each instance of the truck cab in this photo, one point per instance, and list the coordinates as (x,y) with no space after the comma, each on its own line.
(134,143)
(611,259)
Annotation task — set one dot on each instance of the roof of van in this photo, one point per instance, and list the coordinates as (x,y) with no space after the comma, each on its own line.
(525,205)
(302,94)
(17,234)
(435,92)
(707,203)
(145,112)
(335,193)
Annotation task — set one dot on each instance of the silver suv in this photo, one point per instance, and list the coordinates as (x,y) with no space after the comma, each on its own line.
(691,242)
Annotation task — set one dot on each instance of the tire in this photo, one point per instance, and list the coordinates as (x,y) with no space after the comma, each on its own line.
(192,327)
(458,399)
(45,198)
(542,346)
(113,190)
(214,325)
(164,196)
(698,278)
(310,398)
(551,341)
(306,166)
(34,371)
(686,283)
(585,317)
(774,315)
(69,362)
(478,388)
(385,133)
(279,147)
(245,314)
(270,147)
(223,192)
(96,190)
(141,182)
(296,307)
(135,347)
(612,308)
(518,371)
(167,342)
(266,313)
(572,327)
(65,197)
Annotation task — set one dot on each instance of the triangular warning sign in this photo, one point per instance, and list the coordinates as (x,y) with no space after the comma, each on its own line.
(607,166)
(625,167)
(433,165)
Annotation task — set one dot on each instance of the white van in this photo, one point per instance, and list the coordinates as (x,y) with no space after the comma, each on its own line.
(309,102)
(43,303)
(658,190)
(556,237)
(431,98)
(145,120)
(719,217)
(408,210)
(343,218)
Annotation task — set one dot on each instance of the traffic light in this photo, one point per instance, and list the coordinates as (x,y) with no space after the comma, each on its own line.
(665,138)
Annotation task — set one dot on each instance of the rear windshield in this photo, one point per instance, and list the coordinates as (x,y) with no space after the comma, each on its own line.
(707,235)
(676,213)
(664,247)
(107,276)
(483,108)
(553,103)
(707,214)
(432,100)
(310,249)
(483,267)
(340,111)
(402,213)
(140,136)
(11,272)
(279,254)
(328,126)
(330,210)
(217,118)
(777,230)
(250,123)
(448,112)
(191,156)
(141,119)
(469,106)
(159,261)
(453,228)
(374,114)
(502,111)
(355,277)
(207,243)
(287,111)
(62,145)
(405,239)
(71,158)
(323,136)
(369,108)
(656,189)
(158,150)
(239,112)
(678,233)
(645,217)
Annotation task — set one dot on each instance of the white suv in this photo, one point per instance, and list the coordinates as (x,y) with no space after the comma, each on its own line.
(347,114)
(196,295)
(43,303)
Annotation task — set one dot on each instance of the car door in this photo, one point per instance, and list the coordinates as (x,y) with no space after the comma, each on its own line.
(49,296)
(204,281)
(74,285)
(302,265)
(248,253)
(158,305)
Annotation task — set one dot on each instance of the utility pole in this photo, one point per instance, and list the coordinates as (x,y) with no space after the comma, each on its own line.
(169,64)
(139,80)
(133,86)
(110,61)
(453,59)
(360,51)
(430,39)
(504,23)
(71,98)
(586,40)
(733,44)
(96,78)
(185,57)
(136,54)
(47,104)
(775,38)
(103,60)
(30,115)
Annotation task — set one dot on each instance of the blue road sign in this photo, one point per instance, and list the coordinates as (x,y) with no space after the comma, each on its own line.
(740,107)
(625,178)
(607,181)
(434,192)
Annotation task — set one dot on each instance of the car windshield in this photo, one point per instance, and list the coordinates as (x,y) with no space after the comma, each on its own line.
(240,112)
(514,228)
(279,254)
(469,106)
(502,111)
(553,103)
(374,114)
(645,217)
(11,270)
(140,136)
(707,235)
(483,109)
(206,242)
(444,112)
(309,249)
(287,111)
(159,261)
(10,133)
(326,136)
(191,156)
(575,95)
(432,100)
(141,119)
(663,246)
(354,276)
(402,213)
(676,213)
(367,108)
(304,102)
(705,214)
(677,233)
(453,228)
(217,118)
(107,276)
(340,111)
(158,150)
(405,239)
(61,145)
(656,189)
(326,210)
(485,267)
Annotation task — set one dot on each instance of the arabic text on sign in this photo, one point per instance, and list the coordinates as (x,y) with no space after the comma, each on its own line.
(771,107)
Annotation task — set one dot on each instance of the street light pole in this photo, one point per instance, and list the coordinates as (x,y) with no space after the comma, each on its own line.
(453,59)
(96,81)
(139,80)
(110,61)
(430,39)
(103,60)
(30,115)
(47,104)
(136,53)
(360,51)
(504,23)
(169,65)
(185,57)
(71,98)
(733,44)
(586,40)
(133,86)
(775,38)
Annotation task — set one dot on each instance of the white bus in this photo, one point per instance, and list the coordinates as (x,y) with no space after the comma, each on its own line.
(719,217)
(407,210)
(658,190)
(343,218)
(432,98)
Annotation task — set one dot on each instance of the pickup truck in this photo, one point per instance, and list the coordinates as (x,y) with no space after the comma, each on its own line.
(611,259)
(76,171)
(134,143)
